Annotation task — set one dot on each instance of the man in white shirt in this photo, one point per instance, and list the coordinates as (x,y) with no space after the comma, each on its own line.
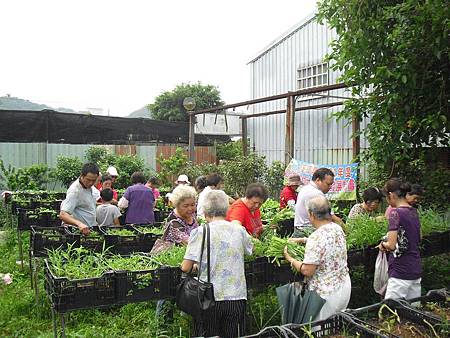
(320,184)
(79,206)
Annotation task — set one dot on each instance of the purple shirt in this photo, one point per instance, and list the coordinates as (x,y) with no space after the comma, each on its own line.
(140,204)
(408,265)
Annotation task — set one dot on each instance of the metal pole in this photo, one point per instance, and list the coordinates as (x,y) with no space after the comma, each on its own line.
(244,137)
(191,137)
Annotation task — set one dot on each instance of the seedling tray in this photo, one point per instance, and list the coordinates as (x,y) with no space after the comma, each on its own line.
(127,244)
(95,243)
(144,285)
(67,295)
(407,314)
(43,239)
(26,219)
(148,239)
(338,325)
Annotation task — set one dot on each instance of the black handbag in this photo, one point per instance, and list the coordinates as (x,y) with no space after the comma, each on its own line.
(194,295)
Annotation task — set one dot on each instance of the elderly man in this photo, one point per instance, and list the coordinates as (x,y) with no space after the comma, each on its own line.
(288,196)
(79,206)
(320,184)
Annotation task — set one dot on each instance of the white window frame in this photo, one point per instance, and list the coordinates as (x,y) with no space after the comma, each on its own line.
(312,76)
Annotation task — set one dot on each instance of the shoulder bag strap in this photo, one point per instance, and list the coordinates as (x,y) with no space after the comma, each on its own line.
(201,253)
(208,248)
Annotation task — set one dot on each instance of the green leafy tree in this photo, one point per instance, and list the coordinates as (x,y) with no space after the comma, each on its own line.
(169,105)
(396,54)
(68,169)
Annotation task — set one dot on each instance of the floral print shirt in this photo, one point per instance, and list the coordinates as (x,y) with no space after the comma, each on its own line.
(229,242)
(177,230)
(327,249)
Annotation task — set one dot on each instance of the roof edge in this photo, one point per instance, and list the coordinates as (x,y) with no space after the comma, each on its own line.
(283,36)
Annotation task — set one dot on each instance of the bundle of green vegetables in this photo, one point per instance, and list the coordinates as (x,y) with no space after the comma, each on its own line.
(432,221)
(119,232)
(276,249)
(268,210)
(135,262)
(172,257)
(150,230)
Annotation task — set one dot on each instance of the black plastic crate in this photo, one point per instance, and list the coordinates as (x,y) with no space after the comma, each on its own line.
(284,274)
(29,217)
(144,285)
(43,239)
(148,238)
(403,309)
(67,295)
(435,243)
(94,241)
(286,228)
(127,244)
(340,324)
(259,272)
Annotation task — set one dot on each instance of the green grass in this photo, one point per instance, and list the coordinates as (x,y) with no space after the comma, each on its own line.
(22,316)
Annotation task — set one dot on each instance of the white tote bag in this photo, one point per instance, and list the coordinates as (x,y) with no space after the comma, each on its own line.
(381,276)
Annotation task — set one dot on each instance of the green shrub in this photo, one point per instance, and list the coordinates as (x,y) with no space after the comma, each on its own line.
(68,169)
(34,177)
(241,171)
(172,166)
(96,154)
(274,179)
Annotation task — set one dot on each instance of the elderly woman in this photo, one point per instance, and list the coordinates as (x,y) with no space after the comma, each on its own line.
(139,200)
(325,261)
(181,221)
(229,242)
(402,243)
(245,211)
(371,201)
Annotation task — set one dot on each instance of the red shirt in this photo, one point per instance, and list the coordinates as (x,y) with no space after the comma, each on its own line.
(240,212)
(286,195)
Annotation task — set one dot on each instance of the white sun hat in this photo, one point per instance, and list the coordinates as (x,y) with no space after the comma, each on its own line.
(112,171)
(183,178)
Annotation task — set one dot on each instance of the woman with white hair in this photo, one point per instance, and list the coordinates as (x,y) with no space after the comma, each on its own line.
(182,220)
(325,262)
(229,242)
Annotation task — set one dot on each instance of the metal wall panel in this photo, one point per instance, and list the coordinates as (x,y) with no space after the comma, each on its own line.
(318,137)
(22,154)
(148,154)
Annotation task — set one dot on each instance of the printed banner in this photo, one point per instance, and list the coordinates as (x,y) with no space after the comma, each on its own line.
(345,177)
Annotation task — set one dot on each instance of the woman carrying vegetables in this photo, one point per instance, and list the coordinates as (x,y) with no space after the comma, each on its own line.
(402,243)
(325,261)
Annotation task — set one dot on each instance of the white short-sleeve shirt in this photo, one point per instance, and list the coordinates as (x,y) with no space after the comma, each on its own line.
(229,243)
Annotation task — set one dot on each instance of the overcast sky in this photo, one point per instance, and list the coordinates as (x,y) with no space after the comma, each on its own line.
(120,55)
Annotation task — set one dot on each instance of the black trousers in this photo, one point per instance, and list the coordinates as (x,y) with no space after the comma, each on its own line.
(226,320)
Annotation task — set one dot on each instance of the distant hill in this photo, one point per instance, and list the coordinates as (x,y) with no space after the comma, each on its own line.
(143,112)
(15,103)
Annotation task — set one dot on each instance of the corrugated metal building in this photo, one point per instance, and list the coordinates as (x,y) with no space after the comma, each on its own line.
(296,61)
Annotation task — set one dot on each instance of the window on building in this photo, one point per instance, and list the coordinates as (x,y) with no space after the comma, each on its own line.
(312,76)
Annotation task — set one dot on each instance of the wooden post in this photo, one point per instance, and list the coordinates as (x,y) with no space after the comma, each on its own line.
(244,136)
(289,130)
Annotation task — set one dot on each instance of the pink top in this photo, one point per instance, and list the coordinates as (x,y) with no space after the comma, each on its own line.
(388,211)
